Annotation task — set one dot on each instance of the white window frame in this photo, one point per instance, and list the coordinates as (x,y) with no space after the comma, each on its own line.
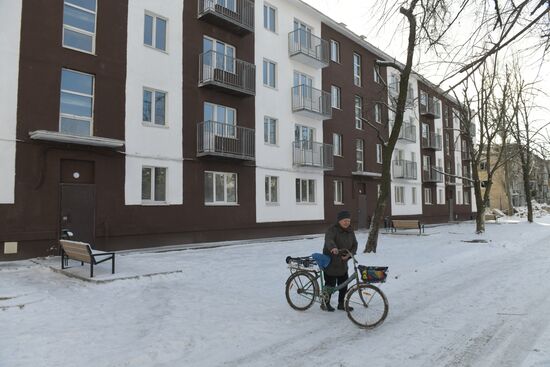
(268,194)
(358,112)
(413,195)
(357,69)
(268,23)
(78,117)
(310,189)
(153,44)
(153,183)
(338,192)
(337,143)
(428,200)
(399,192)
(379,153)
(271,128)
(268,82)
(459,197)
(440,200)
(335,97)
(153,107)
(225,201)
(423,98)
(335,51)
(378,113)
(79,30)
(232,133)
(377,75)
(466,197)
(360,148)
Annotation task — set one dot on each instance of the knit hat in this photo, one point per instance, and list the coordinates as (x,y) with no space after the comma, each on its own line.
(344,214)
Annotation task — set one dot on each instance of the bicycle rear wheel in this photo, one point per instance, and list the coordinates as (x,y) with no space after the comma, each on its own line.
(301,290)
(370,306)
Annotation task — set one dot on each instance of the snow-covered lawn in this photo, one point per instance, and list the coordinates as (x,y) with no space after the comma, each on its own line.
(452,303)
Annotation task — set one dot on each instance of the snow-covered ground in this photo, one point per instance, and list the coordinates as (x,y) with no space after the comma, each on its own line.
(452,303)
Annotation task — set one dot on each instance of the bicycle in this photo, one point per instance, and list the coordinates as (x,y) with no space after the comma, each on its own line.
(365,304)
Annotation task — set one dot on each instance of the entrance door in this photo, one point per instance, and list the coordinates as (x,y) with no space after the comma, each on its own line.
(78,211)
(361,211)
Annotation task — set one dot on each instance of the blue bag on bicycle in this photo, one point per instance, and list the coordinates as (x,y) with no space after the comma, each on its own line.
(322,260)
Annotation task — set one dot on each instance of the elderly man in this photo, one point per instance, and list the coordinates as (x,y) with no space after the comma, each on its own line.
(339,236)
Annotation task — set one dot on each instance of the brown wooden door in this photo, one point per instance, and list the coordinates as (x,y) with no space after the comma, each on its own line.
(78,211)
(361,211)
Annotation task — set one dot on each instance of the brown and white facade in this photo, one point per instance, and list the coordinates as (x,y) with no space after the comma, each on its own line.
(140,123)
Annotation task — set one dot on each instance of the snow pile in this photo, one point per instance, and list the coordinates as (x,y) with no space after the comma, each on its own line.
(539,210)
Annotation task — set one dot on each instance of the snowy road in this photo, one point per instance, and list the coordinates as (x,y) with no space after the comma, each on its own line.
(452,303)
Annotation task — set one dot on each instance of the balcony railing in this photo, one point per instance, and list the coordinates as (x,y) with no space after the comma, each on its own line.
(408,132)
(235,15)
(432,141)
(223,71)
(311,102)
(313,154)
(308,48)
(431,175)
(429,108)
(225,140)
(404,169)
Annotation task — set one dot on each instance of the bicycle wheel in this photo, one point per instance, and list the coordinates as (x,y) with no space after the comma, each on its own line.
(301,290)
(370,306)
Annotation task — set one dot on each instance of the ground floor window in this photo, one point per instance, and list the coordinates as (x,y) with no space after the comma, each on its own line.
(153,184)
(427,196)
(440,196)
(220,188)
(466,197)
(459,197)
(271,189)
(338,192)
(305,191)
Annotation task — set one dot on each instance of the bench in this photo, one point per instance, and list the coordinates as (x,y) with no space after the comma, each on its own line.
(82,252)
(491,217)
(407,224)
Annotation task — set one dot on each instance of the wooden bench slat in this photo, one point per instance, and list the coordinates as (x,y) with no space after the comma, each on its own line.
(82,251)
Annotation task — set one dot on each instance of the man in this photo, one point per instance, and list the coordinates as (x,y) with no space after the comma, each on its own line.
(339,236)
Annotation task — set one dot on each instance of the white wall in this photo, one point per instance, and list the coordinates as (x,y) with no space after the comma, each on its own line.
(276,103)
(148,67)
(440,156)
(10,31)
(458,158)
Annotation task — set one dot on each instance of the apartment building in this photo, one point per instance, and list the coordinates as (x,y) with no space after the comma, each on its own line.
(146,123)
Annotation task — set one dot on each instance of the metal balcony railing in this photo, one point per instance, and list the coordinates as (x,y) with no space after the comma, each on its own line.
(308,48)
(404,169)
(220,70)
(432,141)
(429,108)
(431,175)
(311,102)
(225,140)
(313,154)
(235,15)
(408,132)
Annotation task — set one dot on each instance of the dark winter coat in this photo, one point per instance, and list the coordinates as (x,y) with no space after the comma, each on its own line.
(340,238)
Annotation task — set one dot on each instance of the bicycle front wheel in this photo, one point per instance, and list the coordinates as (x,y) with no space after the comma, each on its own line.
(366,306)
(301,290)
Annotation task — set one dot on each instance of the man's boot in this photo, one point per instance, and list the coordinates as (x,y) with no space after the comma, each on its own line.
(327,307)
(343,308)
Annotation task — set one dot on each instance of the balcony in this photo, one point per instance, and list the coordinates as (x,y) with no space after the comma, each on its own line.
(432,141)
(465,155)
(308,48)
(234,15)
(225,140)
(222,71)
(404,169)
(408,132)
(466,180)
(311,102)
(429,108)
(307,153)
(432,174)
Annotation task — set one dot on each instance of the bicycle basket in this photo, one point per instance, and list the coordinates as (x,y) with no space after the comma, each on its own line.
(373,274)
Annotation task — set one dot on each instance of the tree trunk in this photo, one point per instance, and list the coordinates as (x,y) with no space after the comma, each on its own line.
(527,188)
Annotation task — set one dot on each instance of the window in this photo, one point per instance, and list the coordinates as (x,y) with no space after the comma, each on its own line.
(483,165)
(466,198)
(427,196)
(220,121)
(79,23)
(304,134)
(270,130)
(459,197)
(357,69)
(335,51)
(153,184)
(377,75)
(426,162)
(378,188)
(338,192)
(217,55)
(270,73)
(440,196)
(394,84)
(447,144)
(399,192)
(423,98)
(271,189)
(154,106)
(359,159)
(337,144)
(379,153)
(154,34)
(220,188)
(270,17)
(77,103)
(410,95)
(426,131)
(335,96)
(437,107)
(358,112)
(378,113)
(305,191)
(413,195)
